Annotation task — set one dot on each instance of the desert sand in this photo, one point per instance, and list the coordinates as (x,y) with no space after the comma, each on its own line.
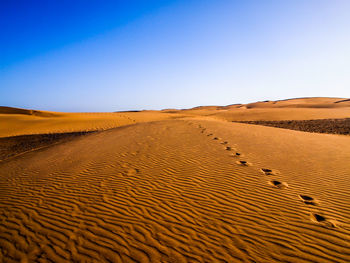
(177,186)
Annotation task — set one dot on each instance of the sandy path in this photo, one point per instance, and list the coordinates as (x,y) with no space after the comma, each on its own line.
(174,191)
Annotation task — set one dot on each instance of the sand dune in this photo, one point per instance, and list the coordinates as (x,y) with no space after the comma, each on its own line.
(13,123)
(311,102)
(302,103)
(11,110)
(180,188)
(16,121)
(292,109)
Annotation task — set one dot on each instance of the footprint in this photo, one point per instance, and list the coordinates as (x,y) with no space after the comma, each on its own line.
(228,148)
(131,172)
(308,200)
(322,219)
(268,171)
(243,163)
(237,154)
(224,143)
(210,134)
(278,184)
(319,218)
(216,138)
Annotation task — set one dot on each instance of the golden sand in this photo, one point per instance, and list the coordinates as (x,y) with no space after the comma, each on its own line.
(175,187)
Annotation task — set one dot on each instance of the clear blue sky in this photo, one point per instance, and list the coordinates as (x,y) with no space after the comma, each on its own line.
(65,55)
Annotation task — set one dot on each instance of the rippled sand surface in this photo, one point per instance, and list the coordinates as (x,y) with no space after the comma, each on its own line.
(180,188)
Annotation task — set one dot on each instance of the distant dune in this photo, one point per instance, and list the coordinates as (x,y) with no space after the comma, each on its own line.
(11,110)
(175,185)
(302,103)
(291,109)
(24,122)
(312,102)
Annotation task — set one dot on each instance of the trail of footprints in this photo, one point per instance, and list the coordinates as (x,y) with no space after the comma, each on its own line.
(307,200)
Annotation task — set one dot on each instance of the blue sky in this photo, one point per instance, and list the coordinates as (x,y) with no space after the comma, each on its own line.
(118,55)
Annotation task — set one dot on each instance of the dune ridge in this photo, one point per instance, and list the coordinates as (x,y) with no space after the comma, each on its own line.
(12,110)
(23,124)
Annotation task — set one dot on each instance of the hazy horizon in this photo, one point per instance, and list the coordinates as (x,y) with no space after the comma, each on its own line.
(134,55)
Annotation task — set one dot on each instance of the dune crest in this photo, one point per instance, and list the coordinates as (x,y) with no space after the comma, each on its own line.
(11,110)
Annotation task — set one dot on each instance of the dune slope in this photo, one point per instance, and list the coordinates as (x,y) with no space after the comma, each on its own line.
(187,190)
(290,109)
(13,123)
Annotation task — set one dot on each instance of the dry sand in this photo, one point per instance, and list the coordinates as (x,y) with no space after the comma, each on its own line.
(175,186)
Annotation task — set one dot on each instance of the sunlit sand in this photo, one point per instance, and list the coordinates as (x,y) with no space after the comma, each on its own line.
(175,185)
